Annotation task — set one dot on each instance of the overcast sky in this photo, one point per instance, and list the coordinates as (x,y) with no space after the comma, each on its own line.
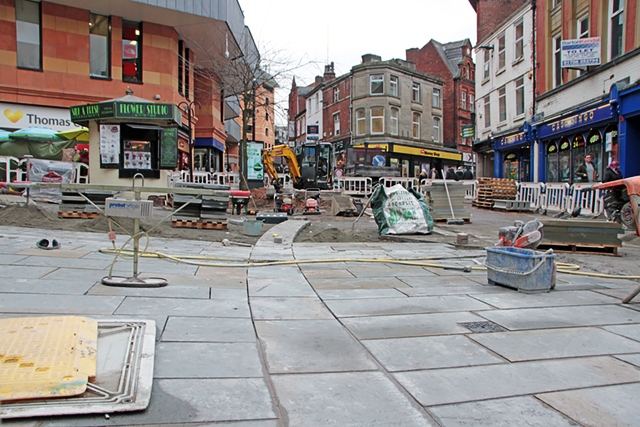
(317,33)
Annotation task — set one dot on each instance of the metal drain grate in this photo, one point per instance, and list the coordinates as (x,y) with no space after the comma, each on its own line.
(483,327)
(126,350)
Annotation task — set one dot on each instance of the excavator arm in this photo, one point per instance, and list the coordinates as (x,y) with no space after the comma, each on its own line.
(285,151)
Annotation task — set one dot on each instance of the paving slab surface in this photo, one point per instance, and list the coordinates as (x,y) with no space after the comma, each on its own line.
(336,341)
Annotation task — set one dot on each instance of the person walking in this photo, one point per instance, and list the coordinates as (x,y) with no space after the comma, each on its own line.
(467,174)
(587,171)
(612,173)
(451,174)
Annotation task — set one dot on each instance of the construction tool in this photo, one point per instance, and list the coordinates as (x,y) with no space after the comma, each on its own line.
(452,220)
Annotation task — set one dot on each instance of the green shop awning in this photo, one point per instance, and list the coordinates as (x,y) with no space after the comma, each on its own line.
(128,109)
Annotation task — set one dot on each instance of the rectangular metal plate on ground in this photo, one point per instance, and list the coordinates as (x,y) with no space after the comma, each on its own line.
(123,378)
(272,218)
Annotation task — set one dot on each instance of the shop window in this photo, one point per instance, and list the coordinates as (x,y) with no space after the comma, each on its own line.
(377,84)
(564,159)
(28,34)
(377,120)
(551,174)
(611,143)
(360,122)
(131,52)
(595,149)
(616,29)
(511,169)
(99,43)
(578,151)
(139,151)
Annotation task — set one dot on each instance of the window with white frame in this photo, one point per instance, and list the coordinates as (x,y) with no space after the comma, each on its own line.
(502,52)
(393,121)
(393,86)
(28,34)
(336,94)
(377,120)
(463,100)
(472,105)
(336,123)
(520,96)
(502,104)
(555,3)
(519,39)
(582,29)
(487,111)
(377,84)
(557,61)
(416,125)
(415,92)
(487,64)
(435,98)
(616,28)
(436,129)
(360,122)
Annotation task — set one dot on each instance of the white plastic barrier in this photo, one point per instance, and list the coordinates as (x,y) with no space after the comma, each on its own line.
(555,197)
(472,189)
(424,186)
(590,201)
(11,171)
(356,186)
(530,192)
(231,179)
(80,173)
(404,181)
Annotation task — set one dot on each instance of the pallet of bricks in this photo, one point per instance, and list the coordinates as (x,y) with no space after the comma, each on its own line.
(206,212)
(490,189)
(74,205)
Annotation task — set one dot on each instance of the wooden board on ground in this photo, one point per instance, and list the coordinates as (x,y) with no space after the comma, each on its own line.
(76,214)
(580,248)
(200,225)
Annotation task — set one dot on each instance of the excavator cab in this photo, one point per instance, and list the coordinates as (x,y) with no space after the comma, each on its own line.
(315,160)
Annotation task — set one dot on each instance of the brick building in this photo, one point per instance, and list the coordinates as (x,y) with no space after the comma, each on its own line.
(452,62)
(60,53)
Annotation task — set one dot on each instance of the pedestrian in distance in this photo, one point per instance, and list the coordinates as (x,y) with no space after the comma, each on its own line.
(459,173)
(433,173)
(451,174)
(612,173)
(467,174)
(423,174)
(587,172)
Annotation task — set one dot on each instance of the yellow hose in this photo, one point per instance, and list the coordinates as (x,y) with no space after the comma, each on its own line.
(234,263)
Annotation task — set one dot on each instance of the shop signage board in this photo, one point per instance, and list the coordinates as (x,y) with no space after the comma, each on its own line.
(468,131)
(19,116)
(169,148)
(125,110)
(580,52)
(510,140)
(313,132)
(426,152)
(574,121)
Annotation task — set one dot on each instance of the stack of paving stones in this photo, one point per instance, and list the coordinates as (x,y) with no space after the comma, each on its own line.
(74,205)
(205,212)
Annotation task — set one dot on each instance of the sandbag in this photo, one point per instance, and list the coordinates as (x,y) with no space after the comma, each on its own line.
(400,211)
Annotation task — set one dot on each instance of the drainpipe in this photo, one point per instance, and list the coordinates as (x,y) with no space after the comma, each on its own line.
(536,147)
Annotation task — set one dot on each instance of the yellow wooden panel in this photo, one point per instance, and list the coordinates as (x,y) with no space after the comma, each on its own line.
(46,356)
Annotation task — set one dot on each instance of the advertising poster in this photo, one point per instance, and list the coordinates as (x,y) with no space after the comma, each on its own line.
(109,145)
(254,160)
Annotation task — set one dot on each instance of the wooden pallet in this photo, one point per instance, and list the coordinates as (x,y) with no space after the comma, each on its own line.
(78,214)
(581,248)
(467,219)
(200,225)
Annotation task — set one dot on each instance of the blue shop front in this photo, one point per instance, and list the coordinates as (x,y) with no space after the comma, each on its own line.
(512,158)
(629,127)
(567,138)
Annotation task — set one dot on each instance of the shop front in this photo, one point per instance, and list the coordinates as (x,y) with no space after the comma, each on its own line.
(512,159)
(629,148)
(566,141)
(340,156)
(129,136)
(485,157)
(207,154)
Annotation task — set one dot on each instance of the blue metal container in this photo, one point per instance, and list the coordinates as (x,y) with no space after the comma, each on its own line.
(523,269)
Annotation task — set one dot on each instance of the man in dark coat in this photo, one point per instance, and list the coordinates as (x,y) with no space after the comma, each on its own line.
(467,174)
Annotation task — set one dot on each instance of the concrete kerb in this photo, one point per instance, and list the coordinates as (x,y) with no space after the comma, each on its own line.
(281,234)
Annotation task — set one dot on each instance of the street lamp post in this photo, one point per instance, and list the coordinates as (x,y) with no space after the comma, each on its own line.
(189,108)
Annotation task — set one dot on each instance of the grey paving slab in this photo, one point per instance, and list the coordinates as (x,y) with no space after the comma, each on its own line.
(412,325)
(8,259)
(322,266)
(223,277)
(598,281)
(562,317)
(189,401)
(346,400)
(183,307)
(357,283)
(388,270)
(288,308)
(599,406)
(556,343)
(515,411)
(25,272)
(438,281)
(629,331)
(75,274)
(208,329)
(224,293)
(155,267)
(406,354)
(443,386)
(405,305)
(327,274)
(80,263)
(359,293)
(207,360)
(450,290)
(617,294)
(292,285)
(300,346)
(634,359)
(43,286)
(59,304)
(169,291)
(513,299)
